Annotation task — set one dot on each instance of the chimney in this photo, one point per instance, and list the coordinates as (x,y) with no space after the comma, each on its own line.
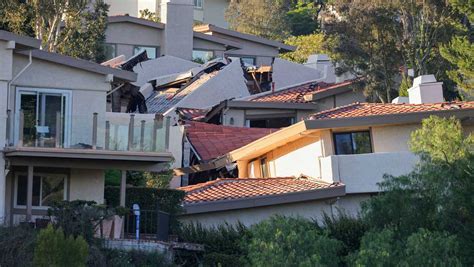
(324,64)
(426,90)
(178,35)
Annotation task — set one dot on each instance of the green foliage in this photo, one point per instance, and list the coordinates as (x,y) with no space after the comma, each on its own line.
(441,139)
(302,17)
(306,45)
(79,218)
(17,245)
(460,52)
(282,241)
(345,228)
(147,14)
(133,258)
(404,85)
(224,245)
(55,249)
(378,248)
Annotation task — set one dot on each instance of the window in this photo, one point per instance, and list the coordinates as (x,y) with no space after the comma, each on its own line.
(110,51)
(249,60)
(46,189)
(198,3)
(352,143)
(264,167)
(151,51)
(46,116)
(202,56)
(270,123)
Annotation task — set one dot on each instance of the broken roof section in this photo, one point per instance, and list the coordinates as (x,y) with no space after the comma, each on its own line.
(211,141)
(286,73)
(213,83)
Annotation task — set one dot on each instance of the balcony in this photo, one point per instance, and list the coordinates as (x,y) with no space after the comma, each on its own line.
(361,173)
(105,132)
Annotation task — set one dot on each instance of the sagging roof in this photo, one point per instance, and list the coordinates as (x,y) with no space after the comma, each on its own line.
(239,193)
(211,141)
(209,28)
(303,93)
(135,20)
(377,109)
(192,114)
(228,43)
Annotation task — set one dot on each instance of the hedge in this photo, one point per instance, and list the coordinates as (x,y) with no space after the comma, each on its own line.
(169,199)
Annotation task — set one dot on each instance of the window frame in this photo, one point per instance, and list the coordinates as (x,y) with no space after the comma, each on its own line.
(157,48)
(195,4)
(352,141)
(263,167)
(207,51)
(41,175)
(114,48)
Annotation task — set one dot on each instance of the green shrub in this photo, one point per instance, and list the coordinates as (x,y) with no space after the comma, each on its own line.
(118,258)
(224,245)
(283,241)
(17,245)
(378,248)
(55,249)
(349,230)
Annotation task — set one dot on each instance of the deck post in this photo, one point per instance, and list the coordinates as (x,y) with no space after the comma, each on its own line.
(130,131)
(94,131)
(167,133)
(123,187)
(157,123)
(21,125)
(29,194)
(107,135)
(58,130)
(9,121)
(142,135)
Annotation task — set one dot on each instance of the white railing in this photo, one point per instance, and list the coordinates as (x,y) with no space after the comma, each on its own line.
(361,173)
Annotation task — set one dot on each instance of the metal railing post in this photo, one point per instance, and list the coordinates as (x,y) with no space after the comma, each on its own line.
(58,130)
(94,131)
(21,125)
(130,131)
(107,135)
(8,133)
(142,135)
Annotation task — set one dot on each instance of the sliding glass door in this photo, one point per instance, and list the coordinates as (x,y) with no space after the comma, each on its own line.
(46,117)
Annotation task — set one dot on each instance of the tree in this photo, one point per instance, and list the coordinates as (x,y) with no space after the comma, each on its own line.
(265,18)
(303,17)
(364,43)
(75,28)
(147,14)
(283,241)
(306,45)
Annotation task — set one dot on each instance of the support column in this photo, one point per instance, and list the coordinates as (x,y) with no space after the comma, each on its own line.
(123,187)
(29,194)
(3,184)
(242,167)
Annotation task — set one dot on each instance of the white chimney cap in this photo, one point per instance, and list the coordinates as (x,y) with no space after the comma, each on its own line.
(423,79)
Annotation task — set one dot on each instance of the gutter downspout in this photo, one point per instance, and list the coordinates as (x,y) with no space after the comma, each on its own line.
(10,83)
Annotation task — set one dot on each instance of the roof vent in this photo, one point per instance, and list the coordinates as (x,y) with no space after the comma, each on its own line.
(426,90)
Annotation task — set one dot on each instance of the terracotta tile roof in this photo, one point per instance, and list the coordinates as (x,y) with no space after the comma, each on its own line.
(377,109)
(296,94)
(211,141)
(241,188)
(192,114)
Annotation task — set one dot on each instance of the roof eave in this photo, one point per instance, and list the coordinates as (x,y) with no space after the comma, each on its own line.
(270,105)
(262,201)
(21,42)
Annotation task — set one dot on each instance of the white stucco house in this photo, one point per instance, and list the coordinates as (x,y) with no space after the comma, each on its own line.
(56,138)
(332,159)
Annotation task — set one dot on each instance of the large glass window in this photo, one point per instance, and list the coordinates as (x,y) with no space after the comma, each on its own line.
(353,143)
(151,51)
(46,190)
(202,56)
(264,167)
(110,51)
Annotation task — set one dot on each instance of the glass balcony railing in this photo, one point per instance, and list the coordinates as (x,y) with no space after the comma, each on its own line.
(109,131)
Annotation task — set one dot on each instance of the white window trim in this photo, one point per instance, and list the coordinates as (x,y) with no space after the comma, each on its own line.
(35,90)
(198,6)
(15,198)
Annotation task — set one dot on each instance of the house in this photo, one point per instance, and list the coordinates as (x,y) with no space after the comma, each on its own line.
(205,11)
(204,142)
(349,148)
(175,36)
(280,108)
(56,138)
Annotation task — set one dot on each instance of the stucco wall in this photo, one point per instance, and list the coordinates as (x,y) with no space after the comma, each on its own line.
(392,138)
(286,73)
(121,7)
(87,185)
(127,35)
(309,210)
(213,12)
